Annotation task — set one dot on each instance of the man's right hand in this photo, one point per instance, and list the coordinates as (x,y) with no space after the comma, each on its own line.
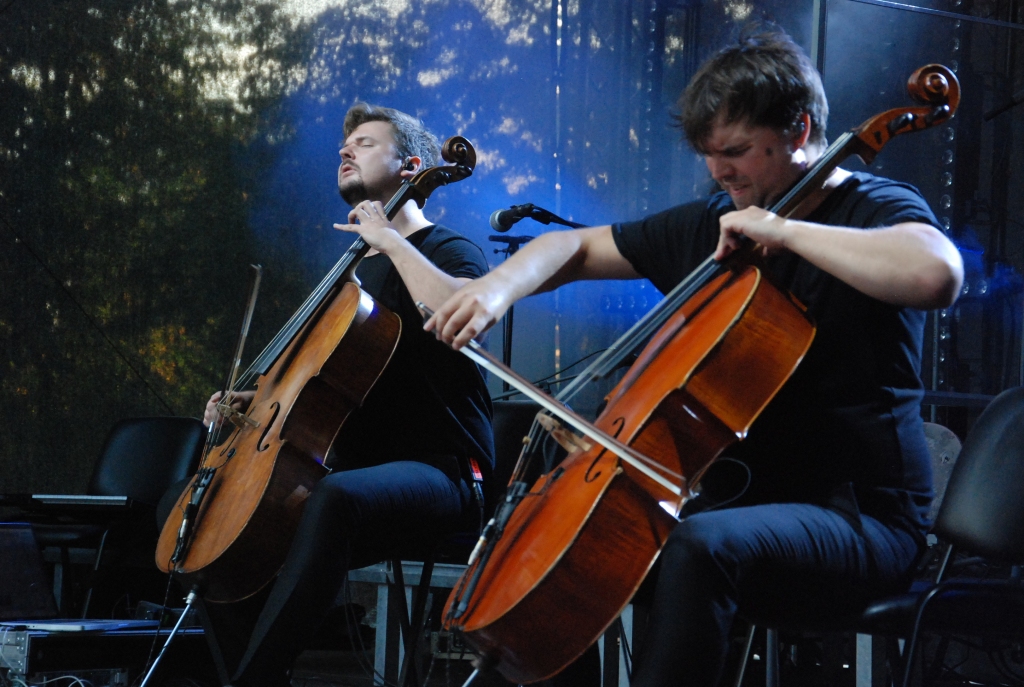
(240,401)
(470,311)
(543,264)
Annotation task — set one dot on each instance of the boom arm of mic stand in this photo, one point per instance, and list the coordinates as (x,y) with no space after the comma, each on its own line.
(1016,99)
(544,217)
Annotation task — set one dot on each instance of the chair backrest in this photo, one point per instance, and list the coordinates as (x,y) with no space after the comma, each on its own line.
(983,509)
(512,420)
(143,456)
(944,447)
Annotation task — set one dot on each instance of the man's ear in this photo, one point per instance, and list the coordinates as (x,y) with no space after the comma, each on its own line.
(411,165)
(801,131)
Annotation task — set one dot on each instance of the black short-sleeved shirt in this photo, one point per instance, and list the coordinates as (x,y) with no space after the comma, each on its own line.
(430,404)
(850,414)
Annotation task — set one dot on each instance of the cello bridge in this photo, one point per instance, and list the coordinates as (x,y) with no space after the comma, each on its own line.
(566,439)
(237,418)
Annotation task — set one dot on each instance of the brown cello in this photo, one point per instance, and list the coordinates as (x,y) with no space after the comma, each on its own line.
(560,561)
(232,526)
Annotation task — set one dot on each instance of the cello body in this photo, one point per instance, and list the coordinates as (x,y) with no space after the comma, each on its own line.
(575,550)
(264,473)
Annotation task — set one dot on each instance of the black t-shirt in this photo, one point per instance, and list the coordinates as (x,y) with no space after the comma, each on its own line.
(430,404)
(850,414)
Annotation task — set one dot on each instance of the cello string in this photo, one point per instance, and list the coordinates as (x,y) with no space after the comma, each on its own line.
(425,183)
(618,351)
(354,253)
(821,168)
(657,316)
(654,319)
(622,347)
(236,361)
(480,356)
(300,316)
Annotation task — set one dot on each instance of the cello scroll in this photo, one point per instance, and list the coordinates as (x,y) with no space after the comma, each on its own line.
(456,150)
(938,91)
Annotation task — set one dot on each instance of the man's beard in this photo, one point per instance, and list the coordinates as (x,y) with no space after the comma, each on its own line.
(354,192)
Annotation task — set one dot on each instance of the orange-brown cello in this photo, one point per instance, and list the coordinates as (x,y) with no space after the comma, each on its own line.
(249,492)
(577,545)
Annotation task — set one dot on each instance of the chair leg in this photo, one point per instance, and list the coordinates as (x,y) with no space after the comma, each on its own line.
(612,638)
(912,640)
(403,607)
(933,671)
(63,582)
(58,584)
(894,657)
(748,644)
(412,627)
(95,573)
(421,596)
(771,657)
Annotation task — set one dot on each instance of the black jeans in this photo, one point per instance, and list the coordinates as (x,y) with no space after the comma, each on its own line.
(352,518)
(796,562)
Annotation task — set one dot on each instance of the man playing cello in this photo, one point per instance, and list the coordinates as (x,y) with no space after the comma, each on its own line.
(405,460)
(834,514)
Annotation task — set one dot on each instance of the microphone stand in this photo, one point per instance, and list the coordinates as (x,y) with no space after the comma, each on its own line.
(545,217)
(189,603)
(512,244)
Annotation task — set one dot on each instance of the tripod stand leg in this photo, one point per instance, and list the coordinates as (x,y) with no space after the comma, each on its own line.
(471,678)
(189,600)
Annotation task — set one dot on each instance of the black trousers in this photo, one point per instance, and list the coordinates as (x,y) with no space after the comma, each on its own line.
(352,518)
(775,563)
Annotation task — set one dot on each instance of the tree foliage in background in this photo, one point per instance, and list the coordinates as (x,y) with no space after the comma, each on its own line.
(123,215)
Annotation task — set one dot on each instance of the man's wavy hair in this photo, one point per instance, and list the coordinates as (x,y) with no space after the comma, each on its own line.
(411,136)
(765,80)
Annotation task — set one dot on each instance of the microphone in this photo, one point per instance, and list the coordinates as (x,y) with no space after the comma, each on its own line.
(502,220)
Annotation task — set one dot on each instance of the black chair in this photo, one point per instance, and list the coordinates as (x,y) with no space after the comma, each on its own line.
(981,512)
(944,447)
(141,458)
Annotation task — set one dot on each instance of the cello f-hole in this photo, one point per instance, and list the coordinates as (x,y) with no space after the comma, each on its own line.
(262,444)
(618,423)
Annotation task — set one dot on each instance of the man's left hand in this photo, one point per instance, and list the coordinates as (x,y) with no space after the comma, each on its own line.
(369,220)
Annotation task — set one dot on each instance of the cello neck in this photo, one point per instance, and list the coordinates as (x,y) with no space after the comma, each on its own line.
(342,270)
(456,150)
